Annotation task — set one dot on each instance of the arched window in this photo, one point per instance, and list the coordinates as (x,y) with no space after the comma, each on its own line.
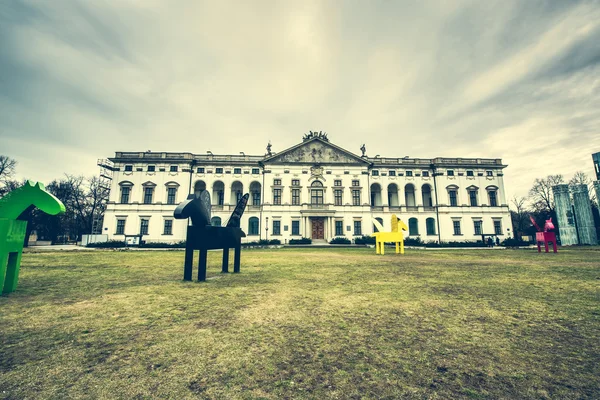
(316,193)
(413,227)
(409,195)
(148,192)
(426,194)
(430,223)
(215,221)
(255,190)
(375,195)
(473,192)
(237,191)
(492,192)
(172,192)
(253,228)
(380,220)
(218,194)
(199,186)
(393,200)
(452,195)
(126,188)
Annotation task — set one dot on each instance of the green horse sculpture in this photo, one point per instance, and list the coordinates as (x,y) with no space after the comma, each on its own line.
(12,230)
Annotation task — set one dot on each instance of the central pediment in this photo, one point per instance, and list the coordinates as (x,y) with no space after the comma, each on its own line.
(315,151)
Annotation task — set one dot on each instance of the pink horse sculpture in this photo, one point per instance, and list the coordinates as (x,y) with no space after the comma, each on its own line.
(545,236)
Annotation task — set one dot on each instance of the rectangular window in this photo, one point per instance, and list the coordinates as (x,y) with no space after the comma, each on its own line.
(125,194)
(450,172)
(493,198)
(295,182)
(256,198)
(237,171)
(295,228)
(409,173)
(425,174)
(148,191)
(453,199)
(276,227)
(477,226)
(255,171)
(375,172)
(171,195)
(128,168)
(120,227)
(339,228)
(144,226)
(295,197)
(456,225)
(470,173)
(277,196)
(489,173)
(151,168)
(473,197)
(220,197)
(219,171)
(276,182)
(392,172)
(173,168)
(356,197)
(356,183)
(200,170)
(168,227)
(337,182)
(337,197)
(316,196)
(357,228)
(498,227)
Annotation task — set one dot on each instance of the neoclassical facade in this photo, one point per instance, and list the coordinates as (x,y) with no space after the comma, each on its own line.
(314,189)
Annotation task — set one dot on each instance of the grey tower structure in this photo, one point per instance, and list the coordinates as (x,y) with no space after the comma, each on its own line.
(583,213)
(596,158)
(564,215)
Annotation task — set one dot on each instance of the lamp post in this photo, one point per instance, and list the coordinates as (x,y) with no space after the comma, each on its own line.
(267,229)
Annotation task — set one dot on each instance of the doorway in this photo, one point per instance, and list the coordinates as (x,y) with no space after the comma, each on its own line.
(318,228)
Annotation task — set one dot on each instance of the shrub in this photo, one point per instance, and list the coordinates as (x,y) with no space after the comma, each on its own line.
(301,241)
(478,243)
(264,242)
(111,244)
(364,240)
(512,242)
(340,240)
(413,242)
(159,245)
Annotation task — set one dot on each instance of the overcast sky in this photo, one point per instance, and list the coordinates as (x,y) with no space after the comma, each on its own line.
(517,80)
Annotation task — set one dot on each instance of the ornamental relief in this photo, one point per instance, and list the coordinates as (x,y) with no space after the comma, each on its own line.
(315,153)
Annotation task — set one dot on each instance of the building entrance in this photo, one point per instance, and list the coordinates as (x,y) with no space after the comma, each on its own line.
(318,228)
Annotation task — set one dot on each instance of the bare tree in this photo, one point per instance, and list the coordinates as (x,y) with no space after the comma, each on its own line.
(519,214)
(7,168)
(540,193)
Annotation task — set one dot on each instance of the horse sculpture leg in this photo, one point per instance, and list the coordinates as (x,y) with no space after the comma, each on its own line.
(236,258)
(546,245)
(225,268)
(3,267)
(554,246)
(12,272)
(539,248)
(189,261)
(202,265)
(397,247)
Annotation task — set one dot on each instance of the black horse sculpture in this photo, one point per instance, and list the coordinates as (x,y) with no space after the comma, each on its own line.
(202,236)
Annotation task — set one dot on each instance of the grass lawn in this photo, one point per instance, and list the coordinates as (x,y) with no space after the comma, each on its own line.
(304,323)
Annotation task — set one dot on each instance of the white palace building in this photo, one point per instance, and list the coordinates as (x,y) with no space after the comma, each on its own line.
(314,189)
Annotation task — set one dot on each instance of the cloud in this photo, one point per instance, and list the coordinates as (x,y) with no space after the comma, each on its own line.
(498,79)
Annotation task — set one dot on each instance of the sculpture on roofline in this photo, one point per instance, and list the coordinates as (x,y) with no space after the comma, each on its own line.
(269,153)
(321,135)
(363,148)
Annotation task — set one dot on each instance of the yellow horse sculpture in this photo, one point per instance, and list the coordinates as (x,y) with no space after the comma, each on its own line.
(395,236)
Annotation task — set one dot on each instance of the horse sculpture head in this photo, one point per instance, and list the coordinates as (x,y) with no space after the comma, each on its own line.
(30,194)
(548,226)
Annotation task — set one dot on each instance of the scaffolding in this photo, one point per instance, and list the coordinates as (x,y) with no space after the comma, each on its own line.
(104,184)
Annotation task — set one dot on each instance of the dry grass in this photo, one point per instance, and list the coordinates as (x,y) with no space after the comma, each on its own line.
(297,323)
